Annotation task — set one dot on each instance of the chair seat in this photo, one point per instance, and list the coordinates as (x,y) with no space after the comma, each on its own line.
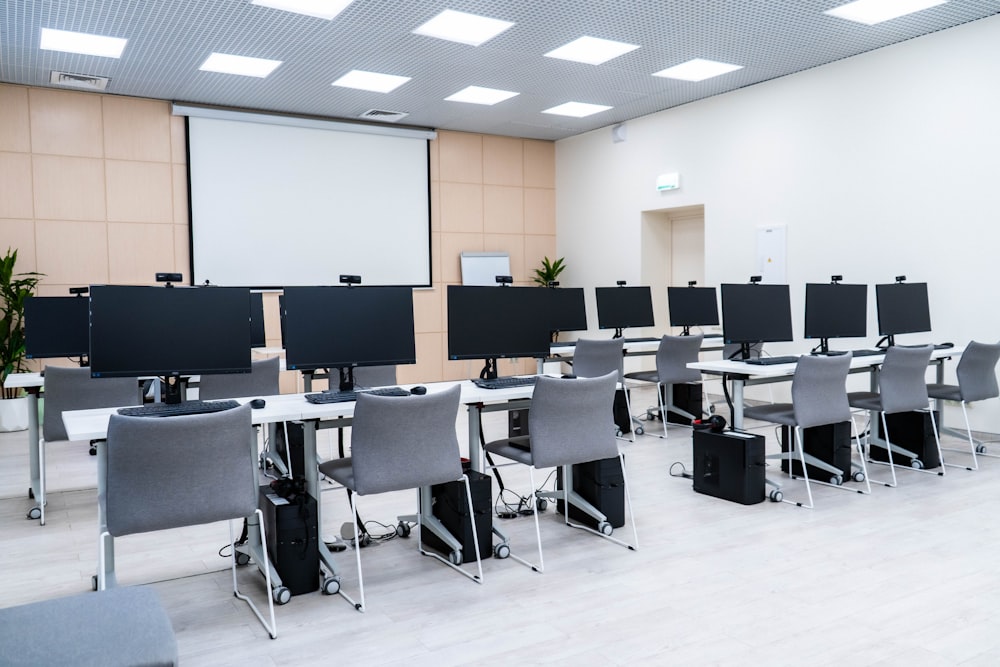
(778,413)
(644,376)
(948,392)
(339,470)
(865,400)
(516,449)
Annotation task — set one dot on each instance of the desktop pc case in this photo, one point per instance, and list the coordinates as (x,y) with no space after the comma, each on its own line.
(602,484)
(292,539)
(912,431)
(449,505)
(687,396)
(830,443)
(729,465)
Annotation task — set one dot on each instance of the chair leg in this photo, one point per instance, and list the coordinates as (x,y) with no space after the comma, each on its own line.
(968,434)
(628,411)
(540,567)
(571,497)
(359,604)
(805,470)
(861,456)
(478,577)
(272,629)
(41,482)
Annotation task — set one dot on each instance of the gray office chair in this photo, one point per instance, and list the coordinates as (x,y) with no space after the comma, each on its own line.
(398,443)
(902,388)
(161,473)
(74,389)
(594,358)
(672,357)
(262,380)
(819,398)
(568,425)
(977,381)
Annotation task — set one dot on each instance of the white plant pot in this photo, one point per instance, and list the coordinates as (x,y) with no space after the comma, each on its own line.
(13,414)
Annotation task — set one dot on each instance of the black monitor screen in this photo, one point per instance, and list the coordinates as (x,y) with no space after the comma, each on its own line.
(257,336)
(692,306)
(567,310)
(836,310)
(343,327)
(497,322)
(902,308)
(756,313)
(137,330)
(622,307)
(56,326)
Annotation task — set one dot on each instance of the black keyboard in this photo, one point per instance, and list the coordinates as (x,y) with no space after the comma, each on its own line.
(505,382)
(937,346)
(772,361)
(349,396)
(177,409)
(867,353)
(645,339)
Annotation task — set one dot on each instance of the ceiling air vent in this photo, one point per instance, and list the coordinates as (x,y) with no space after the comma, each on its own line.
(84,81)
(383,115)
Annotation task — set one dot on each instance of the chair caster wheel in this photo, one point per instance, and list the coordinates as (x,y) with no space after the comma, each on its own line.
(281,595)
(331,586)
(917,464)
(242,559)
(31,494)
(776,496)
(501,551)
(35,513)
(541,504)
(980,449)
(836,480)
(366,539)
(639,430)
(93,450)
(455,557)
(858,476)
(402,529)
(93,582)
(605,528)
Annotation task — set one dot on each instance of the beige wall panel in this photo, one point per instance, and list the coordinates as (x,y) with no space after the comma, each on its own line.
(15,125)
(427,312)
(19,235)
(536,248)
(461,207)
(53,289)
(460,157)
(435,257)
(68,188)
(503,161)
(72,252)
(288,382)
(435,190)
(182,250)
(429,361)
(540,211)
(178,139)
(452,247)
(136,129)
(179,193)
(503,209)
(16,199)
(434,156)
(539,164)
(139,191)
(513,245)
(138,251)
(272,320)
(66,123)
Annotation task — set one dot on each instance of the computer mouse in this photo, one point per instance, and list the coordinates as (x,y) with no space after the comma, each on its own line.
(258,403)
(419,390)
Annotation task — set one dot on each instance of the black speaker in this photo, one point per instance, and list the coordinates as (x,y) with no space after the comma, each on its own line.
(623,420)
(292,539)
(452,510)
(729,465)
(602,484)
(912,431)
(830,443)
(686,397)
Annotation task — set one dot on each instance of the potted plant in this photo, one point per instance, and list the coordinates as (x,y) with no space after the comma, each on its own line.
(14,289)
(549,271)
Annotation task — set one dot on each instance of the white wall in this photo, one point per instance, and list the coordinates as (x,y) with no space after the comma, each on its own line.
(884,164)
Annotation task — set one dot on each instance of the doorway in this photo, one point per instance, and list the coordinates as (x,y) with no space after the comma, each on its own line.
(673,253)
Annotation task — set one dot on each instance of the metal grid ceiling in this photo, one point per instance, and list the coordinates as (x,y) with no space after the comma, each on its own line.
(169,39)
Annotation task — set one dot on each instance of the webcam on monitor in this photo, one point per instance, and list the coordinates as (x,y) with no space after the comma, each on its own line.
(169,278)
(79,291)
(836,279)
(504,280)
(900,279)
(349,280)
(552,283)
(755,279)
(620,283)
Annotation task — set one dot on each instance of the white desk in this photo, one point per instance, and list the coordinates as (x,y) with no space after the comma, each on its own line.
(559,351)
(32,384)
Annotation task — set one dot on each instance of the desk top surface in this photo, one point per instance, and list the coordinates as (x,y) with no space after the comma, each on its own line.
(778,370)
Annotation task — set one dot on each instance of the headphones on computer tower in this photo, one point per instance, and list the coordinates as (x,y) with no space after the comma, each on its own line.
(715,424)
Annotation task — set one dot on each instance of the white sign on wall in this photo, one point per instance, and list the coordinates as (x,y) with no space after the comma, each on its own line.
(771,261)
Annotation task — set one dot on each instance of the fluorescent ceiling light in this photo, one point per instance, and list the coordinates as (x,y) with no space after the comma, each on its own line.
(373,81)
(81,42)
(871,12)
(321,9)
(697,70)
(463,28)
(242,65)
(577,109)
(479,95)
(591,50)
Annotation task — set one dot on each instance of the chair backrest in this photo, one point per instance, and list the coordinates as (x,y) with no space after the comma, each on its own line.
(179,471)
(262,380)
(374,376)
(901,382)
(570,420)
(977,374)
(74,389)
(672,357)
(819,390)
(593,358)
(405,442)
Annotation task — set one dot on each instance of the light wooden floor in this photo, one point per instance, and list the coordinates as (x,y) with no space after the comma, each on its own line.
(906,576)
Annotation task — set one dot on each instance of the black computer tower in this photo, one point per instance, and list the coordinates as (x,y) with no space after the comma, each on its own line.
(292,539)
(686,397)
(517,423)
(623,420)
(291,448)
(602,484)
(830,443)
(912,431)
(729,465)
(450,507)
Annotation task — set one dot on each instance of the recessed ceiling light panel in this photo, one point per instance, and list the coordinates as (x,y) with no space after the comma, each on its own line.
(470,29)
(321,9)
(591,50)
(871,12)
(226,63)
(81,42)
(698,69)
(480,95)
(372,81)
(577,109)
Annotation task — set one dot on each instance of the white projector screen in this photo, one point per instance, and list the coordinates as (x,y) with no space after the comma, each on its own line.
(275,205)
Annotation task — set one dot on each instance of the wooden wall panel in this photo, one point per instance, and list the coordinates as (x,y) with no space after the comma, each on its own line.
(15,124)
(66,123)
(16,191)
(136,129)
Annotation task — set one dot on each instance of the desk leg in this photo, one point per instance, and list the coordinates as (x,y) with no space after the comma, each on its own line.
(738,385)
(107,574)
(254,547)
(331,583)
(501,550)
(35,454)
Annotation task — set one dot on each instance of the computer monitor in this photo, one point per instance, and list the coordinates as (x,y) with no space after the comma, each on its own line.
(836,310)
(902,308)
(257,336)
(343,327)
(168,331)
(692,307)
(623,307)
(755,314)
(566,309)
(491,323)
(56,326)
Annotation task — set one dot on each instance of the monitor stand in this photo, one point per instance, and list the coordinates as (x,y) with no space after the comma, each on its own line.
(175,389)
(886,341)
(347,378)
(686,331)
(489,371)
(823,347)
(619,332)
